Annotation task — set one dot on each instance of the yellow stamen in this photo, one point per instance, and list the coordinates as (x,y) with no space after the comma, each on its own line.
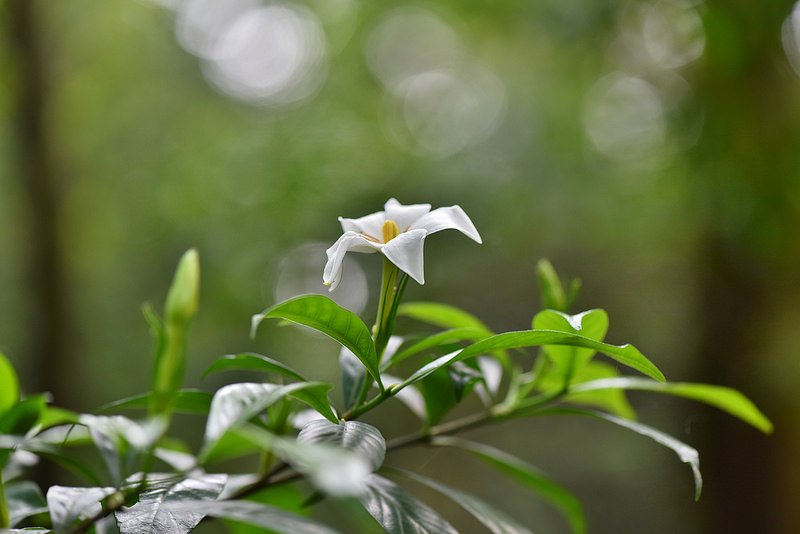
(390,230)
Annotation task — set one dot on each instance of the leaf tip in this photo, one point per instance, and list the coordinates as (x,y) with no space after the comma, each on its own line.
(254,322)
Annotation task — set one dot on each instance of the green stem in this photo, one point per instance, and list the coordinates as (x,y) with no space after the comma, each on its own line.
(5,518)
(360,408)
(385,306)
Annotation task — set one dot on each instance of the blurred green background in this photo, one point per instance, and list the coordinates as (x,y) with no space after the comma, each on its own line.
(651,148)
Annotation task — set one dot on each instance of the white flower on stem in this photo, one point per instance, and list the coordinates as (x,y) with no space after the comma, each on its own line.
(398,233)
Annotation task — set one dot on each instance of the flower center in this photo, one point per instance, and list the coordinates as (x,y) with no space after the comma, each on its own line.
(389,230)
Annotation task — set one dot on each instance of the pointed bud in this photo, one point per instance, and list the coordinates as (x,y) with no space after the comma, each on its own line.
(182,299)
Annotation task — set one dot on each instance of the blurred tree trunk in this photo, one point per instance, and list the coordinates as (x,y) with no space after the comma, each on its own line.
(48,318)
(747,165)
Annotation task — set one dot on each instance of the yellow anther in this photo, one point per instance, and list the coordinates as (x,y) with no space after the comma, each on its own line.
(390,230)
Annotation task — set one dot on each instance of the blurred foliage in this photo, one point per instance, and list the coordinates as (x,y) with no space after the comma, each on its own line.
(698,198)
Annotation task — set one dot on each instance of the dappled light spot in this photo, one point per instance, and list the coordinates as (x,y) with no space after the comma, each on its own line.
(440,112)
(791,38)
(624,117)
(201,24)
(408,41)
(270,56)
(299,273)
(658,36)
(441,101)
(672,33)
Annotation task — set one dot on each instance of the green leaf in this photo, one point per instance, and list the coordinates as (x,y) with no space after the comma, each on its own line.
(493,519)
(525,474)
(250,361)
(23,415)
(441,315)
(360,438)
(353,376)
(56,454)
(439,394)
(567,360)
(435,341)
(610,400)
(317,398)
(400,513)
(179,310)
(324,315)
(120,439)
(687,454)
(152,513)
(53,416)
(9,385)
(24,500)
(67,504)
(188,401)
(550,286)
(625,354)
(286,497)
(552,290)
(235,404)
(230,446)
(333,470)
(726,399)
(257,514)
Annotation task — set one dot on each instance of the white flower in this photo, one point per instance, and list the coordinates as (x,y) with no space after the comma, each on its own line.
(398,233)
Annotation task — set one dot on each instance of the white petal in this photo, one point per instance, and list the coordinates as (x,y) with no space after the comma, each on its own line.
(371,225)
(404,216)
(405,251)
(349,241)
(448,218)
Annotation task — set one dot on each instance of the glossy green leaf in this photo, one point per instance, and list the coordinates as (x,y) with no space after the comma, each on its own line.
(324,315)
(188,401)
(9,385)
(726,399)
(67,505)
(567,360)
(24,500)
(398,512)
(360,438)
(493,519)
(120,439)
(525,474)
(687,454)
(152,513)
(237,403)
(250,361)
(317,398)
(257,514)
(441,315)
(333,470)
(625,354)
